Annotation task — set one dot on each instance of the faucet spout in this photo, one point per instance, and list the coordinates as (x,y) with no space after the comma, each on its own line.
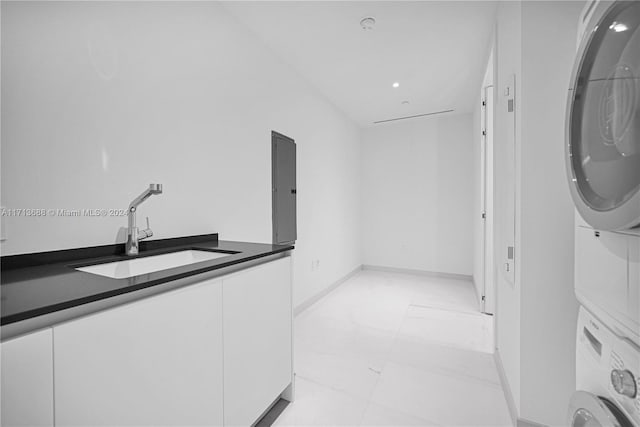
(133,235)
(153,189)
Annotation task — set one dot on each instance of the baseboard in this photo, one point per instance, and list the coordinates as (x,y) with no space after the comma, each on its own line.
(511,404)
(419,272)
(317,297)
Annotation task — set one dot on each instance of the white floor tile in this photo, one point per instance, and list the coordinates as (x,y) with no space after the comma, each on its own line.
(346,374)
(464,364)
(332,337)
(446,294)
(472,331)
(378,415)
(316,405)
(367,302)
(396,349)
(444,399)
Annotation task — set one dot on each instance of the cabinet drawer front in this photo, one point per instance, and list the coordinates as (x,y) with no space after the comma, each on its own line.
(27,380)
(157,361)
(257,340)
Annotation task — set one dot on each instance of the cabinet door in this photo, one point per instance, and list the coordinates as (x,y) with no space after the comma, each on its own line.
(27,380)
(257,340)
(156,362)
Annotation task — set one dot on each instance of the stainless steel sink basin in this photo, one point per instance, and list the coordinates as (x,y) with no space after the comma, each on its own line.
(150,264)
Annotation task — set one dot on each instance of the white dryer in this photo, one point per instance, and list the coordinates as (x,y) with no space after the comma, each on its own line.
(607,377)
(603,117)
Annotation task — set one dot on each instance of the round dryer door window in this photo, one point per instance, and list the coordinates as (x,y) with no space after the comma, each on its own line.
(603,119)
(588,410)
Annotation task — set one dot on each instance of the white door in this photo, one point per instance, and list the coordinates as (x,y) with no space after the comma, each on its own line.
(155,362)
(257,340)
(27,380)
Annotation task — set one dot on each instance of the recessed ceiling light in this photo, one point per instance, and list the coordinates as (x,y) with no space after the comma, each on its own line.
(405,102)
(618,27)
(368,23)
(396,84)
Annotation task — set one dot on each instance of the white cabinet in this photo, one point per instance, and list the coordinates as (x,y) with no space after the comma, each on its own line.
(257,340)
(607,277)
(27,380)
(157,361)
(211,353)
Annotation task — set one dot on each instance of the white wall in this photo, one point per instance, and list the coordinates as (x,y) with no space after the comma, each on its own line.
(536,317)
(417,190)
(101,99)
(507,316)
(549,307)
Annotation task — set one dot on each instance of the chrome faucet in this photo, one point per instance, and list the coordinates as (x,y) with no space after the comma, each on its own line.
(133,234)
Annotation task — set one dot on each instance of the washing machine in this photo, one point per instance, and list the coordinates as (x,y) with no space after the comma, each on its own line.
(603,163)
(607,377)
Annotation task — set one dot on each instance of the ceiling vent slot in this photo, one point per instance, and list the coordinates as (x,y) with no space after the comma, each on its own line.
(413,117)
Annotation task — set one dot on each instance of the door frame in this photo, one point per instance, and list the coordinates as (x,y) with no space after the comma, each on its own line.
(488,302)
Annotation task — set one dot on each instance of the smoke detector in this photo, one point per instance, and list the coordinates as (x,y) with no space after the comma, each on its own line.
(368,23)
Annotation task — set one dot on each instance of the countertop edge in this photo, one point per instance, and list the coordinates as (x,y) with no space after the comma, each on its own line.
(34,320)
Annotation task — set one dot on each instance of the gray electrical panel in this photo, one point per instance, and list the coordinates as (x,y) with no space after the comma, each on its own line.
(283,188)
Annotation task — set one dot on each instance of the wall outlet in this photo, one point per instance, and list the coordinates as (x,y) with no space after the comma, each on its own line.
(315,265)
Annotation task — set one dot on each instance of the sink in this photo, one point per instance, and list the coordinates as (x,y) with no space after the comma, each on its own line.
(150,264)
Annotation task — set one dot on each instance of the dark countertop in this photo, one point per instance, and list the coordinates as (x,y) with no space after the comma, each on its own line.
(38,284)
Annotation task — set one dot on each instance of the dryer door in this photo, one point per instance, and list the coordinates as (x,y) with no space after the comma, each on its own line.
(603,119)
(588,410)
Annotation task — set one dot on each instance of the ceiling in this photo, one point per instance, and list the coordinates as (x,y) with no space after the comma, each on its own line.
(436,50)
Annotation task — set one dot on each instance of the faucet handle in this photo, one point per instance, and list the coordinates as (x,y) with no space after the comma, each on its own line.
(147,232)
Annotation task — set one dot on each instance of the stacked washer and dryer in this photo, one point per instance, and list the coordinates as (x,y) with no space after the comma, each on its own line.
(603,164)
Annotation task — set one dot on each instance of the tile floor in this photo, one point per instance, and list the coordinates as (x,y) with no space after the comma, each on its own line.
(392,349)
